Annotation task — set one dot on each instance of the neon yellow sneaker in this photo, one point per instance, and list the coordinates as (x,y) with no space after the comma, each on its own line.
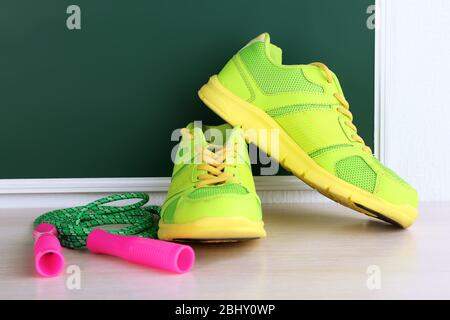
(317,140)
(212,194)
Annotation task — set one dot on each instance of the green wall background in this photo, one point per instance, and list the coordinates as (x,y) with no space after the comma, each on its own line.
(103,101)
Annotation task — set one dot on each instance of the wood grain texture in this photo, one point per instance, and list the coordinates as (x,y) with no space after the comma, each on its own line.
(313,251)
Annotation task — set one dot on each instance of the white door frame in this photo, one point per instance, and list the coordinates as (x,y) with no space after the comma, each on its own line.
(382,47)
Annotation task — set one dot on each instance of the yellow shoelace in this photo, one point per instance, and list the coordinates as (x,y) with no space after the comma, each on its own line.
(345,107)
(214,163)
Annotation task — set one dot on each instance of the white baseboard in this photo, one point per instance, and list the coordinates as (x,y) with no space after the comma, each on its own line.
(51,201)
(104,185)
(55,193)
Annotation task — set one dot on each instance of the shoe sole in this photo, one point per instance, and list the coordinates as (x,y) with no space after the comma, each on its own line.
(237,111)
(213,229)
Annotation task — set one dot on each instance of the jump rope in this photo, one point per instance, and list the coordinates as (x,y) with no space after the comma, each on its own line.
(76,228)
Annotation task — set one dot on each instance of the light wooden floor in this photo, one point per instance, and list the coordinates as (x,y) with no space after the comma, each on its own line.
(314,251)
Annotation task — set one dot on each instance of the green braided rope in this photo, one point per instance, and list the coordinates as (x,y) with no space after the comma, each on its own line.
(75,224)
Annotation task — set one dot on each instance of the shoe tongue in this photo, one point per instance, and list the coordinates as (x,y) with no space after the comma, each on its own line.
(276,53)
(197,132)
(207,135)
(234,136)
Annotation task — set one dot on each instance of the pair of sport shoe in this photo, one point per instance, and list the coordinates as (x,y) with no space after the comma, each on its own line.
(215,199)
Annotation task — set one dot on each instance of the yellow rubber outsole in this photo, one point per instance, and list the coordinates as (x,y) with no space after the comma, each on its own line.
(237,111)
(213,229)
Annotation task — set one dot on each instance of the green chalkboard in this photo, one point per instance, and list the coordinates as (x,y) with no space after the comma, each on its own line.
(103,101)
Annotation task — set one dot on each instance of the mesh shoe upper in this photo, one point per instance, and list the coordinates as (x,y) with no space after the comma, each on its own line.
(305,101)
(188,200)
